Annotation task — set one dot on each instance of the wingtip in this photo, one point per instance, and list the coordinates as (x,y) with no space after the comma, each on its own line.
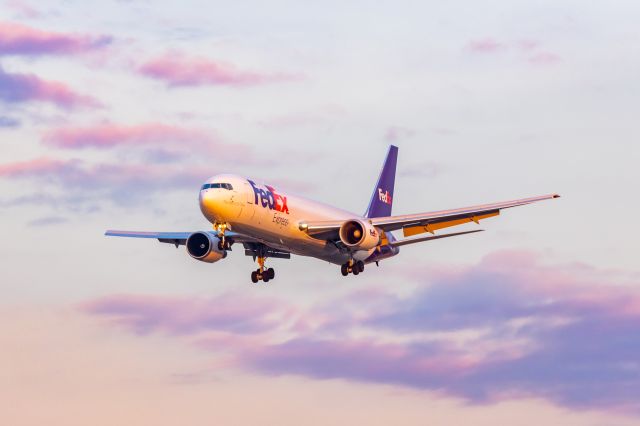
(556,195)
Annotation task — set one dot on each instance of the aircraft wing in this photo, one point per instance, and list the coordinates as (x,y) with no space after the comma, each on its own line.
(177,238)
(420,223)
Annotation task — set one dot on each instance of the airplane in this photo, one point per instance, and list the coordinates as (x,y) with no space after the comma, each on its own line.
(271,224)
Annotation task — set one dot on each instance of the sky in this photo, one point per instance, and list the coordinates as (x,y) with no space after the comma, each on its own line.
(113,113)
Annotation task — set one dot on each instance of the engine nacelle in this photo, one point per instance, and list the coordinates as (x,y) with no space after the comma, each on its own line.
(359,234)
(204,247)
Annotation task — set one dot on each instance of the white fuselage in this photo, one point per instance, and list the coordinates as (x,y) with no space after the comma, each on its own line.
(273,217)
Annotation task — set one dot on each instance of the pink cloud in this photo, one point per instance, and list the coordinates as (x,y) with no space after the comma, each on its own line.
(528,45)
(78,173)
(153,142)
(108,135)
(23,8)
(16,88)
(398,133)
(530,48)
(544,58)
(486,45)
(36,166)
(179,70)
(190,315)
(532,330)
(17,39)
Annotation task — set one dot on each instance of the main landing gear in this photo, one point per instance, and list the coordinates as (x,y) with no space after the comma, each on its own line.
(354,267)
(262,274)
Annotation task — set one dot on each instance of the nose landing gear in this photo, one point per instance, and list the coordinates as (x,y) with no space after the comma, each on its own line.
(354,267)
(224,243)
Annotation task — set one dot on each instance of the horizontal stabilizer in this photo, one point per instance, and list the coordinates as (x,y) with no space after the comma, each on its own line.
(429,238)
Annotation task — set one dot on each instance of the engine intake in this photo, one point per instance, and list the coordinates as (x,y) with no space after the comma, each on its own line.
(358,234)
(204,247)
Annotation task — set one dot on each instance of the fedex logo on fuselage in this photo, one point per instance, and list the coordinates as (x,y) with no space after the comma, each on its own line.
(385,197)
(269,198)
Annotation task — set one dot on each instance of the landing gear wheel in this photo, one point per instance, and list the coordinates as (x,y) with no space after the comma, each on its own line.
(344,269)
(355,270)
(271,273)
(254,277)
(220,245)
(360,266)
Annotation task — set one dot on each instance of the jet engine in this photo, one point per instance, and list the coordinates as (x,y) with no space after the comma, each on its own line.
(359,234)
(204,247)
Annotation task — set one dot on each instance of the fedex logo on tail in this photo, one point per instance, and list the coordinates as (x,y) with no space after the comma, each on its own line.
(269,198)
(385,197)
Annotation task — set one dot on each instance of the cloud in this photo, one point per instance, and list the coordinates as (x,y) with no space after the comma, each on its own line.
(23,8)
(48,221)
(152,142)
(532,50)
(17,88)
(179,70)
(544,58)
(485,45)
(396,134)
(180,316)
(427,170)
(8,122)
(84,182)
(108,135)
(17,39)
(507,327)
(77,173)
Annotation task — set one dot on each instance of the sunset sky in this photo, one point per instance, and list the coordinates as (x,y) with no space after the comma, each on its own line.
(113,113)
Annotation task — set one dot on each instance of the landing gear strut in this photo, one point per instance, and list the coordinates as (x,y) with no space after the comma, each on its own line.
(354,267)
(262,274)
(224,244)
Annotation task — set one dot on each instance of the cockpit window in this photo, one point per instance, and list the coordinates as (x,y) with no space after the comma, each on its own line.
(217,185)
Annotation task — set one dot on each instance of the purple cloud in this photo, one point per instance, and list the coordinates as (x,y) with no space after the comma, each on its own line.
(117,182)
(507,327)
(8,122)
(17,88)
(17,39)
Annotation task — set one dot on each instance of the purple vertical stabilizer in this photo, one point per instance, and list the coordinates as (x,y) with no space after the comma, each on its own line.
(382,197)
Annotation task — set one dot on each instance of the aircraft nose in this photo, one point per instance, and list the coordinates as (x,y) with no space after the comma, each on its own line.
(209,202)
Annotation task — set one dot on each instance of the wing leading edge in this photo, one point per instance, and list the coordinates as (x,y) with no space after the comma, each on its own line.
(420,223)
(177,238)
